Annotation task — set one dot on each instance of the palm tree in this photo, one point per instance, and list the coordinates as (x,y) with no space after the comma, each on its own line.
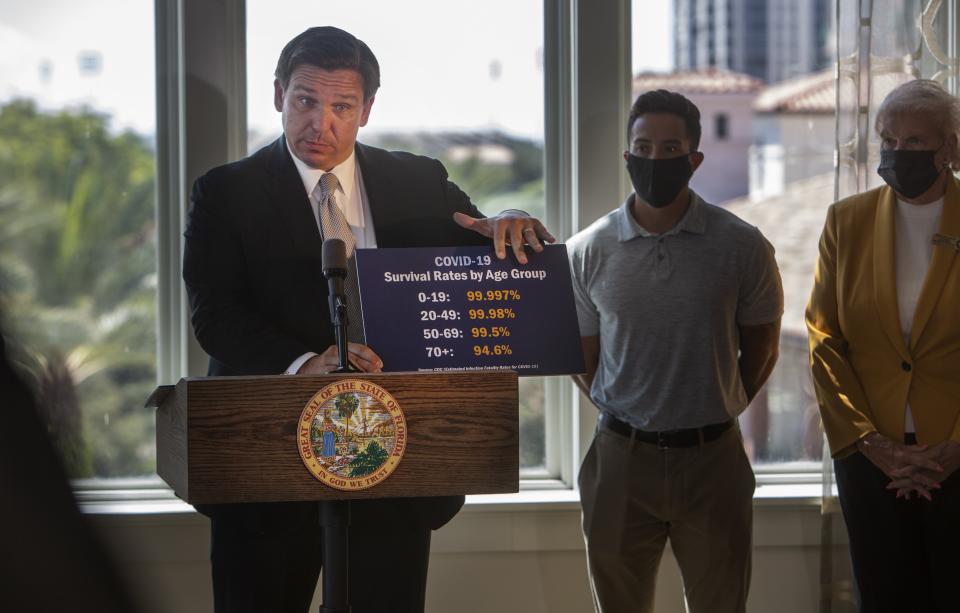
(77,272)
(346,405)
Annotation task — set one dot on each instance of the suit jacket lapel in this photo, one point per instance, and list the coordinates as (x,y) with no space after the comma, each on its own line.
(374,185)
(885,269)
(292,204)
(940,265)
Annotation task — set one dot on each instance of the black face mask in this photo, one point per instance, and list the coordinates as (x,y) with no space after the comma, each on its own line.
(909,173)
(659,181)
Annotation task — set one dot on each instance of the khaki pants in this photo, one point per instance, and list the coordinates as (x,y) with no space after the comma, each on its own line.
(636,495)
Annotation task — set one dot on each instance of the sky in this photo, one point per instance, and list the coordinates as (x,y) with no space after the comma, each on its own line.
(486,73)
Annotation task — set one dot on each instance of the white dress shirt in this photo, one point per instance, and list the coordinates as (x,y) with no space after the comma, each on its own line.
(915,227)
(351,198)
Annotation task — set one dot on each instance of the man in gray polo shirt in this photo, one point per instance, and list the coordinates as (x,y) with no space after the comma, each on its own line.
(679,305)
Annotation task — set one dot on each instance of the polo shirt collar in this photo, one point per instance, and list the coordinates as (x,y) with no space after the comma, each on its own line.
(693,221)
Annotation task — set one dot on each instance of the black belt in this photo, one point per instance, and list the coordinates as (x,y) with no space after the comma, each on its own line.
(688,437)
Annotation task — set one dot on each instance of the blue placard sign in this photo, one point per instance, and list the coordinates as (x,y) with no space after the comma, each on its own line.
(460,308)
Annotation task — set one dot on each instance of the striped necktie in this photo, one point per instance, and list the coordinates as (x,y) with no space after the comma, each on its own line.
(333,224)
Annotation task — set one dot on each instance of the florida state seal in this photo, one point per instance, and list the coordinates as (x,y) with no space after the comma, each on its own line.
(352,434)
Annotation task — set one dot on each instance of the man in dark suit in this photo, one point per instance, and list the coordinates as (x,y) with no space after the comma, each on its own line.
(252,267)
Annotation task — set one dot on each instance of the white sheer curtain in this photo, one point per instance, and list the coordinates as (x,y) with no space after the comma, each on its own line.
(880,44)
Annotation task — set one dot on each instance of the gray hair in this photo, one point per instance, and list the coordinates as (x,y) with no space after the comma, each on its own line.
(928,98)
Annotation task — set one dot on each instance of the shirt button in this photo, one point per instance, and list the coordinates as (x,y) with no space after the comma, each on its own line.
(905,366)
(660,256)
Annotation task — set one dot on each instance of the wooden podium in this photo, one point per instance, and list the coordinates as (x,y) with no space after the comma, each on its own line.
(235,439)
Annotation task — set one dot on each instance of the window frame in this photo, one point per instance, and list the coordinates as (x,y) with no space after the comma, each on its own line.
(201,77)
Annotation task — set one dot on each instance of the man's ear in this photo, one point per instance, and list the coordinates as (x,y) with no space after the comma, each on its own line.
(277,95)
(626,155)
(696,158)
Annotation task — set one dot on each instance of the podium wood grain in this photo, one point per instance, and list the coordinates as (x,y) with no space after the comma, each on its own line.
(234,439)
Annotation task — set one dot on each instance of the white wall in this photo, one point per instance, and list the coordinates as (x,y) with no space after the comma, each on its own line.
(502,557)
(724,174)
(789,147)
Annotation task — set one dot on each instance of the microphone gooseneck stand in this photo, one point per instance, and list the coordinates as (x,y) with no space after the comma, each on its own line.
(338,308)
(335,514)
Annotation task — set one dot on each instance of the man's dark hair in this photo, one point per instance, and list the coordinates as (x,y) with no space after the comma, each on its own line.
(662,101)
(330,48)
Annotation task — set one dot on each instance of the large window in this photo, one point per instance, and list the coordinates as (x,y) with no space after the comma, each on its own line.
(767,108)
(77,230)
(78,264)
(471,97)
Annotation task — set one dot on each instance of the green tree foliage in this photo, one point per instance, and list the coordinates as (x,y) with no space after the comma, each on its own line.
(77,268)
(368,460)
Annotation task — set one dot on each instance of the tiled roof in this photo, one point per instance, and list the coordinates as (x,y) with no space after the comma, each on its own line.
(792,222)
(706,81)
(812,93)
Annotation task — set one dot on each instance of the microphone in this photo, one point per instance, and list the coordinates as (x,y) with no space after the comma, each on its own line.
(334,262)
(334,265)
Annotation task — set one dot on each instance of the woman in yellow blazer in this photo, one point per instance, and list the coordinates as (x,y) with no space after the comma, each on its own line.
(884,325)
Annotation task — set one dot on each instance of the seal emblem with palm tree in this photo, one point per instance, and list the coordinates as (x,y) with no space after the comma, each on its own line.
(352,434)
